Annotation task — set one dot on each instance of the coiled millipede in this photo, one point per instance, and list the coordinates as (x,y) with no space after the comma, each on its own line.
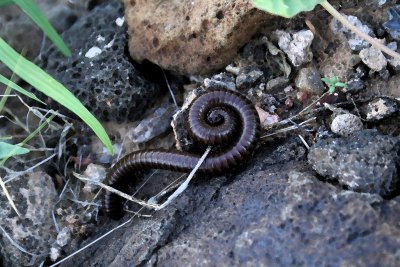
(215,118)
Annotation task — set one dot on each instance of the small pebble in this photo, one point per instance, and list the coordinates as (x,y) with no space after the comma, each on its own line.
(93,52)
(296,46)
(266,118)
(373,58)
(154,125)
(277,84)
(289,102)
(55,253)
(309,80)
(380,108)
(248,77)
(96,174)
(221,81)
(302,96)
(346,124)
(63,237)
(355,85)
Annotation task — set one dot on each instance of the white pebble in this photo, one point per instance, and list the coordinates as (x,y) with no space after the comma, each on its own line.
(92,52)
(346,124)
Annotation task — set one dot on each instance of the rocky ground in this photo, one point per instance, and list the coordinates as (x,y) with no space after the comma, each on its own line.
(322,188)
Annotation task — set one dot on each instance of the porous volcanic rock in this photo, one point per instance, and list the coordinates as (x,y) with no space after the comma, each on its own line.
(100,72)
(190,37)
(275,212)
(366,161)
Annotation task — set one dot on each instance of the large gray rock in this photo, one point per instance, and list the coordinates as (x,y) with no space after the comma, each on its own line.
(35,197)
(274,213)
(365,161)
(100,72)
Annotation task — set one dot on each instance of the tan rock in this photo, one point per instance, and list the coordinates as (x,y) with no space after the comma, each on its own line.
(189,36)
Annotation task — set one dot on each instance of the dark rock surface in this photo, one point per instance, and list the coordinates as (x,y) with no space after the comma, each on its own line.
(274,213)
(99,71)
(366,161)
(222,80)
(248,77)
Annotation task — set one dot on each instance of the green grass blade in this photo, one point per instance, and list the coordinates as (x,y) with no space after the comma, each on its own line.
(19,89)
(8,89)
(8,150)
(5,2)
(27,139)
(344,85)
(4,99)
(12,150)
(33,11)
(46,84)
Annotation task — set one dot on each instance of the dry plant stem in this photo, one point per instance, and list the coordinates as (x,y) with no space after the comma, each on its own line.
(185,184)
(172,186)
(15,175)
(170,90)
(16,244)
(5,191)
(304,142)
(357,31)
(122,194)
(290,128)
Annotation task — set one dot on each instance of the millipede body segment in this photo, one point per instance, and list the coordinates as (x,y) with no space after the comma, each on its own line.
(219,118)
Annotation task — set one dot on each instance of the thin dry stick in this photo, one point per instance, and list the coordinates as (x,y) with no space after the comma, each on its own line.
(145,182)
(174,184)
(169,88)
(304,142)
(96,240)
(185,184)
(18,174)
(16,244)
(290,128)
(58,201)
(5,191)
(121,194)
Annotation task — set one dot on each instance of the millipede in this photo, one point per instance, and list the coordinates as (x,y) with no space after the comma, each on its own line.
(215,118)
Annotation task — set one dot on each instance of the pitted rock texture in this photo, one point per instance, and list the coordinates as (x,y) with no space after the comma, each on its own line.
(99,71)
(190,37)
(34,196)
(273,213)
(380,108)
(277,218)
(366,161)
